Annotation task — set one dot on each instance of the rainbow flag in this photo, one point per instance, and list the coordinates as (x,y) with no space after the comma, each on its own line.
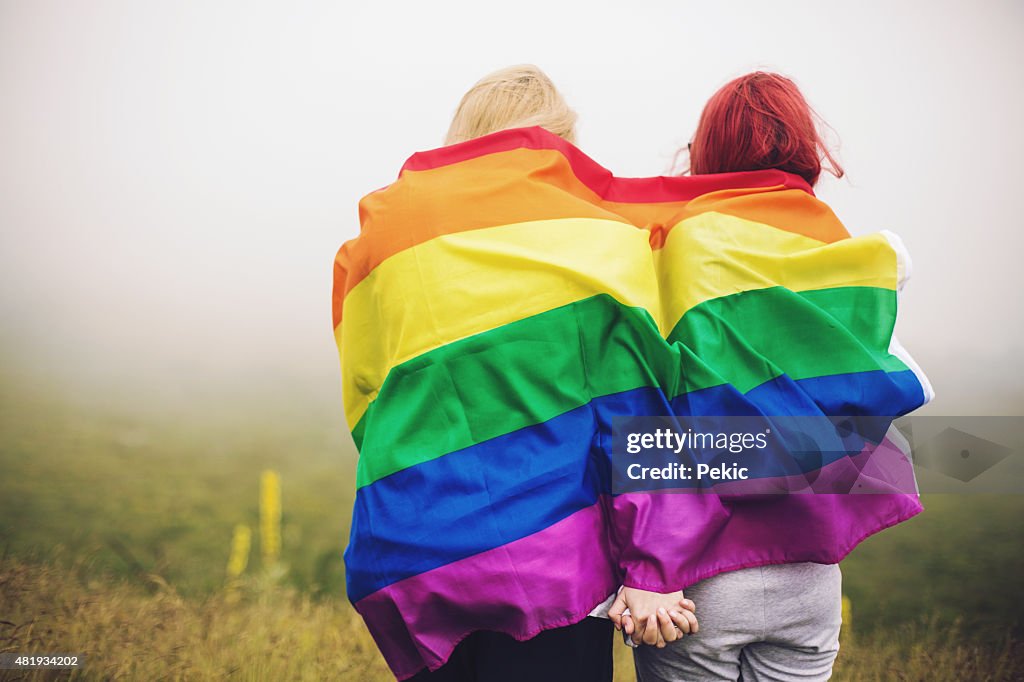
(506,298)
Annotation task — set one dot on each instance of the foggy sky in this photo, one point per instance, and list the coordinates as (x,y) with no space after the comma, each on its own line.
(176,177)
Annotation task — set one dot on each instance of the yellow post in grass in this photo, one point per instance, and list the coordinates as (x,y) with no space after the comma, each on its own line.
(846,633)
(239,558)
(270,516)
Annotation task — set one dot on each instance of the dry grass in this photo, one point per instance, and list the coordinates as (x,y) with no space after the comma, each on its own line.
(930,652)
(125,633)
(269,632)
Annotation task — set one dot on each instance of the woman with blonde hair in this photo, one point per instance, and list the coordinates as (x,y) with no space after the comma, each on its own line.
(518,97)
(513,97)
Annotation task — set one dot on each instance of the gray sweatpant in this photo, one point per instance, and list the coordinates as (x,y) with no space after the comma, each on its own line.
(766,623)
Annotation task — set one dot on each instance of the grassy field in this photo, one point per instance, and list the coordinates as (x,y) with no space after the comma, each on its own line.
(116,520)
(157,489)
(268,632)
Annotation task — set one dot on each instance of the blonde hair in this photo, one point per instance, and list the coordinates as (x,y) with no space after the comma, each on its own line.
(514,97)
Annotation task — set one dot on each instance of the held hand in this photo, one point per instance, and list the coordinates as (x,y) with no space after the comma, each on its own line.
(666,626)
(651,617)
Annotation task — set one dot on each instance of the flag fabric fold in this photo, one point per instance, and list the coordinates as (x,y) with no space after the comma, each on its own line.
(507,297)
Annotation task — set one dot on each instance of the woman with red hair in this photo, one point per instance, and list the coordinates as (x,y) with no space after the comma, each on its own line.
(764,622)
(756,122)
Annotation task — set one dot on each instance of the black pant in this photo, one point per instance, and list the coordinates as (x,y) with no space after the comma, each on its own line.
(575,653)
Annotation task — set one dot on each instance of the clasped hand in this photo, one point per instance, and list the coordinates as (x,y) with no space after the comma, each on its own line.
(653,618)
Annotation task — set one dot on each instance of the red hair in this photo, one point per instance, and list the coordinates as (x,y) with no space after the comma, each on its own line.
(759,121)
